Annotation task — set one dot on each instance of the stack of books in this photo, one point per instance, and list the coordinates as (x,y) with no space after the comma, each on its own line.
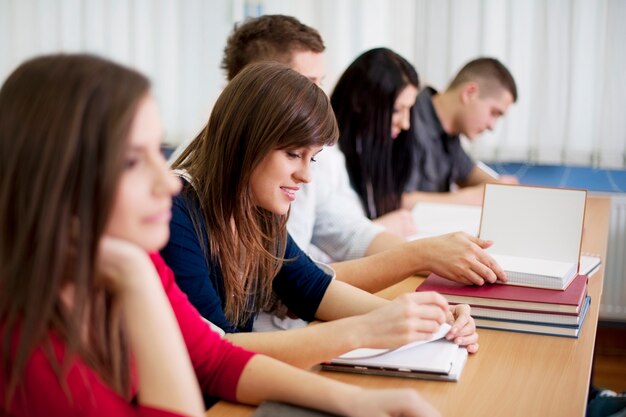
(537,238)
(516,308)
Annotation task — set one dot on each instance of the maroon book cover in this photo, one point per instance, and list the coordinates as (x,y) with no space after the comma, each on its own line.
(511,296)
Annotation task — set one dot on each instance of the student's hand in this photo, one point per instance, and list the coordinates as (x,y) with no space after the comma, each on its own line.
(399,222)
(508,179)
(463,331)
(122,265)
(460,257)
(472,195)
(390,403)
(410,317)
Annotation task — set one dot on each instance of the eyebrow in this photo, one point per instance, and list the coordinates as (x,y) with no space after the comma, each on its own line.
(136,148)
(141,147)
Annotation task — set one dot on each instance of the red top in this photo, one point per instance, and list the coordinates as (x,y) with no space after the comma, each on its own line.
(217,364)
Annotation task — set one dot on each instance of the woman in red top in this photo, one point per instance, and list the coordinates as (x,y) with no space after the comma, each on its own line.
(90,323)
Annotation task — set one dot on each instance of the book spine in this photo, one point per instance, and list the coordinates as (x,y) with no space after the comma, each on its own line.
(503,314)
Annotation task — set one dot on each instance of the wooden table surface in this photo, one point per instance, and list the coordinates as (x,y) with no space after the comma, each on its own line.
(513,374)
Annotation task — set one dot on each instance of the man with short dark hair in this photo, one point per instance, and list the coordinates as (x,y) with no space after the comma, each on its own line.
(277,38)
(480,93)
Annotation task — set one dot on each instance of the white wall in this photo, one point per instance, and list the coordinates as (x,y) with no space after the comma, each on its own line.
(178,44)
(568,56)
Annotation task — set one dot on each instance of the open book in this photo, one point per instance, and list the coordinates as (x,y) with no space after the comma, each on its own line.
(434,219)
(537,232)
(437,359)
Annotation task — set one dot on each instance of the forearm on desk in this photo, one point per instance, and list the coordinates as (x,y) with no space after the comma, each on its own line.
(266,379)
(477,176)
(344,300)
(382,242)
(303,347)
(376,272)
(466,195)
(348,330)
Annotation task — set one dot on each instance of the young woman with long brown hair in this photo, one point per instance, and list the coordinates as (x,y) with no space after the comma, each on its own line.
(91,320)
(230,250)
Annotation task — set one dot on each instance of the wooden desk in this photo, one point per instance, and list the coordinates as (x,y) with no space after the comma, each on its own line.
(513,374)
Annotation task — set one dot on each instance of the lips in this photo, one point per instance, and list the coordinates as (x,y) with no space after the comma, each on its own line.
(290,192)
(162,216)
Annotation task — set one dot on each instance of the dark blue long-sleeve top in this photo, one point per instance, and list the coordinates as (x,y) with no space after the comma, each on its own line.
(299,284)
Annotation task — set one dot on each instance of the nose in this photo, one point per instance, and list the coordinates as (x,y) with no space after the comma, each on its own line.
(405,123)
(303,174)
(175,184)
(166,182)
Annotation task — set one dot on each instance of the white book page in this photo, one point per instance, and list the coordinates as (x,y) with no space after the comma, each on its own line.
(437,356)
(370,353)
(533,266)
(589,265)
(434,219)
(459,364)
(533,222)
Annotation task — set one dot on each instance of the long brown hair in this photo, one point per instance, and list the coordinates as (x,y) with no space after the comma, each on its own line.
(64,125)
(266,107)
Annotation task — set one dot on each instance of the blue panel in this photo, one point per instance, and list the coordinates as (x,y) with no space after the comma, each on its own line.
(589,178)
(167,150)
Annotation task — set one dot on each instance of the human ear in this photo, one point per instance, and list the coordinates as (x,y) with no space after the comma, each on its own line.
(469,91)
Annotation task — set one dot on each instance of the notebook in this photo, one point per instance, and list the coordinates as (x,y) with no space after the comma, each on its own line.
(434,219)
(437,359)
(537,232)
(589,265)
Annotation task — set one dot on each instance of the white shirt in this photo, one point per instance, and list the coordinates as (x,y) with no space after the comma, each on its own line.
(327,215)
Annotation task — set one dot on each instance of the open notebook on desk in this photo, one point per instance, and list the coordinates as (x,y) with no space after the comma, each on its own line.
(434,219)
(437,359)
(537,232)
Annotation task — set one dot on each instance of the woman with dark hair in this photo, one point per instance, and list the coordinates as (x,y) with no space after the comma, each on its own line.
(229,247)
(91,320)
(372,101)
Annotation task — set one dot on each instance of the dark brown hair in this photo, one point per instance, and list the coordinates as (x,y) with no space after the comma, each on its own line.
(268,38)
(490,74)
(64,124)
(266,107)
